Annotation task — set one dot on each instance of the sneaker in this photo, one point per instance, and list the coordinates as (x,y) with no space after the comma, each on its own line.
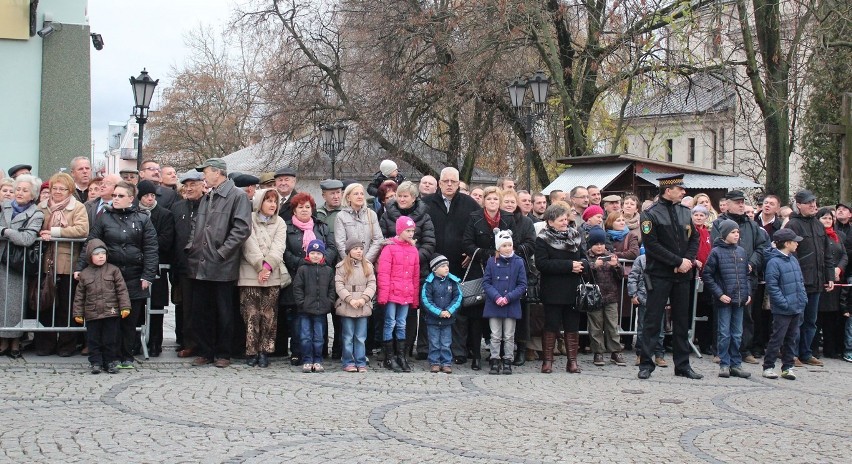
(724,372)
(716,359)
(435,369)
(318,368)
(350,368)
(751,360)
(112,368)
(660,362)
(362,369)
(814,362)
(788,374)
(307,368)
(598,360)
(447,370)
(847,357)
(618,359)
(96,368)
(125,365)
(738,371)
(770,373)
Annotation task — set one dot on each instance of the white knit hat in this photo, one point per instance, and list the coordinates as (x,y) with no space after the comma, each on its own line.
(387,167)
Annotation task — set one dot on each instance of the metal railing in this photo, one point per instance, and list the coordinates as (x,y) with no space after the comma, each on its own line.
(25,303)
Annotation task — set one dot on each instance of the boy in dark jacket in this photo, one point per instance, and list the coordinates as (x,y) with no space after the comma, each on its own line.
(726,275)
(101,296)
(785,288)
(603,325)
(314,292)
(441,296)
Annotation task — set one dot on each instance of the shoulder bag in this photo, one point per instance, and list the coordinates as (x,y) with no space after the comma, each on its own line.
(589,298)
(472,291)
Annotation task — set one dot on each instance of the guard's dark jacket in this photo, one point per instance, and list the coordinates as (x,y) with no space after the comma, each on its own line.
(669,236)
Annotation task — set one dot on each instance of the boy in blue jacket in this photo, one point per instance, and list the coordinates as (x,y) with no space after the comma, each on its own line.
(441,297)
(785,288)
(726,276)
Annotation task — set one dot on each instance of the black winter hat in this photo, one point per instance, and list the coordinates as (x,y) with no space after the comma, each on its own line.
(145,187)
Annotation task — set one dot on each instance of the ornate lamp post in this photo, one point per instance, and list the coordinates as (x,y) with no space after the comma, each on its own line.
(333,140)
(143,91)
(529,115)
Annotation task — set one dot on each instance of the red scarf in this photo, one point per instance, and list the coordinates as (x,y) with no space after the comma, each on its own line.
(493,222)
(832,234)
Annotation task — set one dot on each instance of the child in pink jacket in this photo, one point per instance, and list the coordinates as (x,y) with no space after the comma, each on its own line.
(398,285)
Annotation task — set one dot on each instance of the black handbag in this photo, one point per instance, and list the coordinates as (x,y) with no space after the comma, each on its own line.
(533,294)
(473,292)
(23,260)
(589,297)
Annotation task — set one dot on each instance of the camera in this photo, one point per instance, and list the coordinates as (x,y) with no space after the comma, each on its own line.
(97,41)
(46,30)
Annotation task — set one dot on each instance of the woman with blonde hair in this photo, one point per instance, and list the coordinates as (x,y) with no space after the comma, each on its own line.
(64,217)
(704,200)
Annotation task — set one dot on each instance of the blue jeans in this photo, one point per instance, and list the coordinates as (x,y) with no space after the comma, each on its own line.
(659,351)
(395,315)
(440,340)
(730,322)
(807,330)
(354,335)
(312,337)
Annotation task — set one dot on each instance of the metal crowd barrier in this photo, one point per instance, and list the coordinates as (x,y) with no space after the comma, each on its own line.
(29,307)
(634,311)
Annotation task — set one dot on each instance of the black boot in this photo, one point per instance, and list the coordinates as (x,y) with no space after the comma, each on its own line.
(253,360)
(495,366)
(396,361)
(476,364)
(404,359)
(520,356)
(387,355)
(507,367)
(262,360)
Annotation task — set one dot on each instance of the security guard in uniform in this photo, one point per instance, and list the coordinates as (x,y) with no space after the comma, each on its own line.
(671,244)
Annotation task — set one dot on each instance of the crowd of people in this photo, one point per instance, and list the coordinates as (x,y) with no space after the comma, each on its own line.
(429,270)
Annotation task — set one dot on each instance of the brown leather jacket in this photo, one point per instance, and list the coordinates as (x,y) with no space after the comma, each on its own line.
(101,292)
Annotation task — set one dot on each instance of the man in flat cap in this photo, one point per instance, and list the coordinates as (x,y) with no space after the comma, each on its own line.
(817,268)
(267,180)
(754,241)
(247,182)
(611,204)
(285,183)
(332,194)
(19,169)
(185,211)
(129,175)
(671,244)
(222,226)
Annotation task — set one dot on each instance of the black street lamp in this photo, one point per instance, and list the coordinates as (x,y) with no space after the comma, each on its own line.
(529,115)
(143,91)
(333,140)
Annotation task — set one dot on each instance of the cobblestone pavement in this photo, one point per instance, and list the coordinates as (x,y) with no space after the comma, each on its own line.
(165,411)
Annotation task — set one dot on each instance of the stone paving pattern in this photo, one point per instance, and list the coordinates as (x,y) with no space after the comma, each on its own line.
(166,411)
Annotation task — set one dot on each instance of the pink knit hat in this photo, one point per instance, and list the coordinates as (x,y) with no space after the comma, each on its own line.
(403,223)
(591,211)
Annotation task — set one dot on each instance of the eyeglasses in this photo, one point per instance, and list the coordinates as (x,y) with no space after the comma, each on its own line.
(59,189)
(449,181)
(119,195)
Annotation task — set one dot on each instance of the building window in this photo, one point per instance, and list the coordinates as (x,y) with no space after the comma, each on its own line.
(670,150)
(691,150)
(721,151)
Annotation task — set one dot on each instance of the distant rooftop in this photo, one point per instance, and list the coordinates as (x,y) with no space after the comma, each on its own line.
(697,94)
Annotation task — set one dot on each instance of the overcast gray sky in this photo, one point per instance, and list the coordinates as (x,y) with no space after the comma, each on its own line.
(140,35)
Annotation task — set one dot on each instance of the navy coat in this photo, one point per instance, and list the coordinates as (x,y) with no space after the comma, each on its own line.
(506,277)
(726,272)
(785,285)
